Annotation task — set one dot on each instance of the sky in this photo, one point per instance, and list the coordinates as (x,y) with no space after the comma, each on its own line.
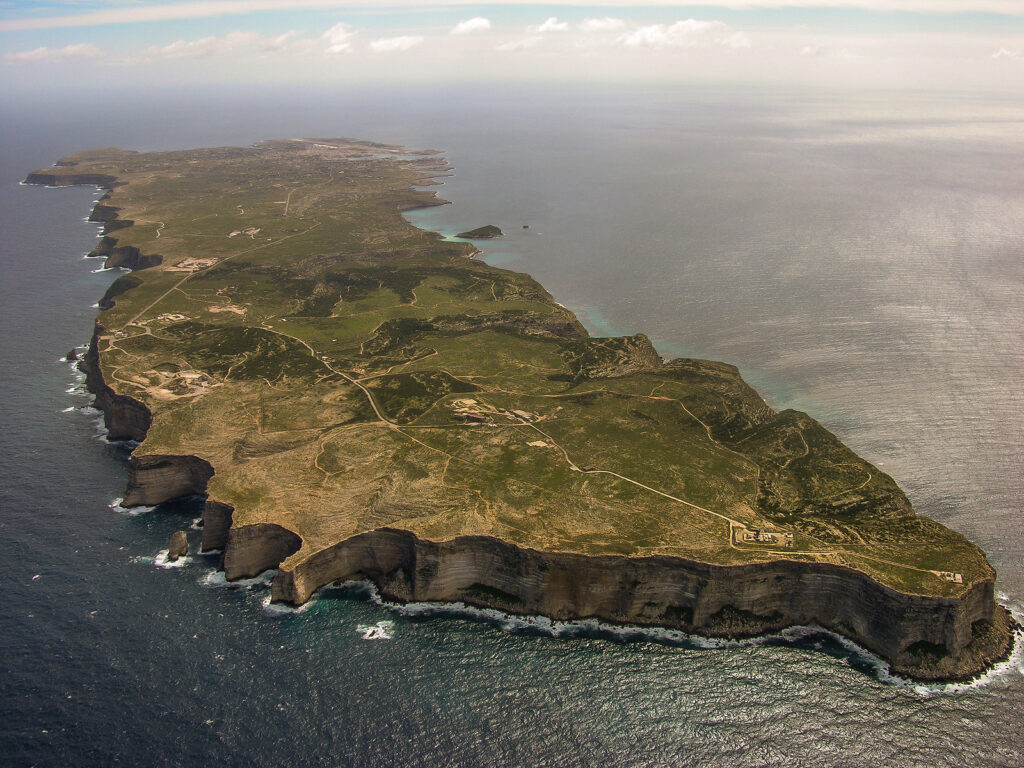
(947,45)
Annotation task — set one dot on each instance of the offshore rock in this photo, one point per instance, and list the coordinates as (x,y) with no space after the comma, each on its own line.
(486,232)
(177,546)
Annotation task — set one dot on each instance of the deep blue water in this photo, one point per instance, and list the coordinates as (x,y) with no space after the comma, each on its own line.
(860,259)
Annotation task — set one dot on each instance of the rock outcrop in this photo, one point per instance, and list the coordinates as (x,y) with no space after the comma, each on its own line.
(67,179)
(486,232)
(216,525)
(155,479)
(125,256)
(125,418)
(177,547)
(252,549)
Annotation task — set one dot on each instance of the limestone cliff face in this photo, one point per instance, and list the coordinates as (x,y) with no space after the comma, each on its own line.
(252,549)
(124,417)
(155,479)
(69,179)
(126,256)
(216,525)
(728,601)
(151,479)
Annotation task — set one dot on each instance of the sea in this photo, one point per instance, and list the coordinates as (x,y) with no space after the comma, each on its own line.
(859,256)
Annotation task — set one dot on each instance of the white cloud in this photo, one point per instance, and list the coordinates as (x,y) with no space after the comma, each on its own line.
(826,52)
(476,24)
(606,24)
(736,41)
(76,51)
(689,33)
(522,44)
(1006,53)
(339,38)
(391,44)
(280,41)
(552,24)
(682,33)
(206,46)
(234,43)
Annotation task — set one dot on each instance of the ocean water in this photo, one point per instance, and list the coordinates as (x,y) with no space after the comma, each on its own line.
(860,258)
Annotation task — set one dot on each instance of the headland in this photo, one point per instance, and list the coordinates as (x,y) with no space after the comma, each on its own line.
(358,398)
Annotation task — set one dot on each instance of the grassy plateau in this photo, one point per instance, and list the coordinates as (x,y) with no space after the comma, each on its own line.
(342,371)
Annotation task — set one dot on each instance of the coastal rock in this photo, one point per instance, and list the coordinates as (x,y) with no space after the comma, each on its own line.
(177,546)
(155,479)
(721,601)
(253,549)
(68,179)
(72,355)
(487,232)
(102,214)
(125,418)
(216,525)
(126,256)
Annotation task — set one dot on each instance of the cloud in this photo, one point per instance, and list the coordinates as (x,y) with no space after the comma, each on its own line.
(682,33)
(522,44)
(339,38)
(206,46)
(689,33)
(391,44)
(736,41)
(1006,53)
(476,24)
(232,43)
(76,51)
(279,42)
(606,24)
(825,52)
(552,24)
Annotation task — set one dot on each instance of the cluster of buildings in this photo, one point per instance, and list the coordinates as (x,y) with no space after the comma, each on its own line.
(471,412)
(761,536)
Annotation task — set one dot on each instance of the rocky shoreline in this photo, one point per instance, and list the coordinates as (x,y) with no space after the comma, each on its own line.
(922,638)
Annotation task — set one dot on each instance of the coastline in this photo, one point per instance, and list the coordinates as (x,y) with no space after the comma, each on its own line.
(156,479)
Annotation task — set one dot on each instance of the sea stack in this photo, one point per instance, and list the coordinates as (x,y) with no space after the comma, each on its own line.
(177,546)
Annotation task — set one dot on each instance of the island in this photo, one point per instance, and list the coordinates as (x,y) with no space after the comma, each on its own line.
(488,232)
(357,398)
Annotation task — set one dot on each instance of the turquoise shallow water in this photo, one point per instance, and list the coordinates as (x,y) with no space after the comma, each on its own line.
(859,261)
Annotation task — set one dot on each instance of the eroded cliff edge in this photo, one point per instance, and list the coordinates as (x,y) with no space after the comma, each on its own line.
(922,636)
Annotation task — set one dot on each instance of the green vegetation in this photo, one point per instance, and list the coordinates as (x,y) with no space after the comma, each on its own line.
(343,371)
(482,233)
